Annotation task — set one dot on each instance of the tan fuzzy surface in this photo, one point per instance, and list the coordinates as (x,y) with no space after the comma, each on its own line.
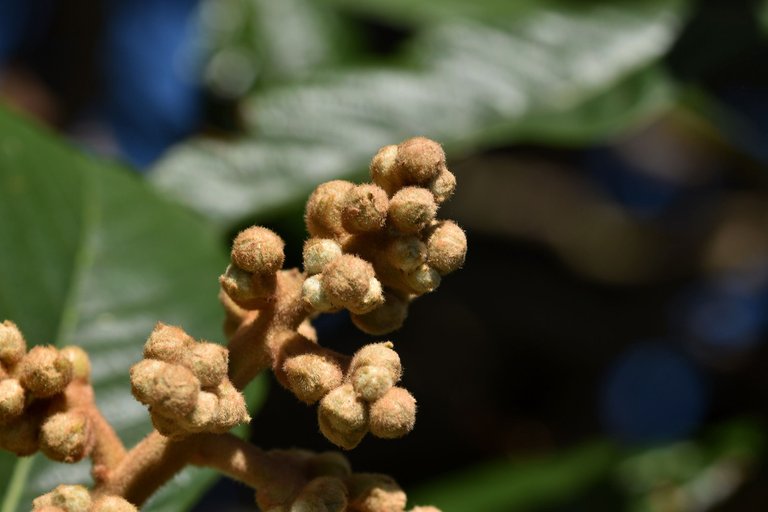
(12,344)
(364,209)
(411,209)
(44,371)
(393,415)
(258,250)
(419,160)
(446,247)
(323,210)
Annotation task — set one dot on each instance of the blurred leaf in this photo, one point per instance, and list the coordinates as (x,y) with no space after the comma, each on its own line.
(508,485)
(92,256)
(553,75)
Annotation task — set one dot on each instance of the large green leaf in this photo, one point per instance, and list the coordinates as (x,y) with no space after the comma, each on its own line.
(553,75)
(90,255)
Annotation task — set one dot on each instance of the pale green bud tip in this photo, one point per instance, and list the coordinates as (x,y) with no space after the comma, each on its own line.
(419,160)
(406,253)
(313,294)
(319,252)
(12,344)
(312,376)
(393,415)
(447,247)
(343,417)
(423,280)
(70,498)
(370,492)
(11,400)
(45,372)
(258,250)
(167,343)
(81,363)
(412,209)
(113,504)
(66,436)
(384,319)
(323,211)
(364,209)
(371,382)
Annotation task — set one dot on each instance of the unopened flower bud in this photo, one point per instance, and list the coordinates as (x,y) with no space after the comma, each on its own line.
(70,498)
(447,247)
(443,186)
(112,504)
(11,400)
(411,209)
(323,494)
(393,415)
(247,290)
(172,389)
(419,160)
(208,361)
(319,252)
(423,280)
(311,376)
(167,343)
(369,492)
(232,409)
(372,299)
(371,382)
(313,293)
(81,364)
(378,354)
(204,414)
(384,171)
(45,372)
(323,212)
(258,250)
(343,417)
(168,427)
(364,209)
(384,319)
(67,436)
(21,435)
(12,344)
(328,464)
(406,253)
(347,280)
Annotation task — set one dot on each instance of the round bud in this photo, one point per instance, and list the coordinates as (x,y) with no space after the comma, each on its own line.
(369,492)
(168,427)
(447,247)
(21,435)
(406,253)
(11,400)
(170,388)
(167,343)
(232,410)
(419,160)
(378,354)
(343,417)
(384,319)
(258,250)
(443,186)
(372,299)
(208,361)
(323,212)
(364,209)
(323,494)
(12,344)
(319,252)
(81,363)
(371,382)
(423,280)
(393,415)
(328,464)
(66,436)
(384,171)
(313,294)
(204,413)
(247,290)
(112,504)
(72,498)
(347,280)
(412,209)
(312,376)
(45,372)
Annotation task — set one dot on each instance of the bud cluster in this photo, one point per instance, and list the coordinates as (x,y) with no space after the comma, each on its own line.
(184,382)
(76,498)
(374,247)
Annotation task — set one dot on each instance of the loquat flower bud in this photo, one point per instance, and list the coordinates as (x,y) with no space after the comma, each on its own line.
(170,388)
(45,371)
(81,363)
(201,417)
(168,427)
(232,409)
(443,186)
(258,250)
(167,343)
(70,498)
(369,492)
(411,209)
(307,330)
(112,504)
(364,209)
(323,211)
(247,290)
(323,494)
(447,247)
(21,435)
(11,400)
(378,354)
(319,252)
(371,382)
(67,436)
(328,464)
(384,171)
(311,376)
(208,361)
(406,253)
(419,160)
(423,280)
(346,282)
(12,344)
(313,294)
(393,415)
(343,417)
(384,319)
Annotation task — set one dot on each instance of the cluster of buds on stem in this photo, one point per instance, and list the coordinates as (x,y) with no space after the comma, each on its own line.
(76,498)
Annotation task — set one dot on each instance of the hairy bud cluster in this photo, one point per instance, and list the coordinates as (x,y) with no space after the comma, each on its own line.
(184,382)
(257,254)
(76,498)
(389,224)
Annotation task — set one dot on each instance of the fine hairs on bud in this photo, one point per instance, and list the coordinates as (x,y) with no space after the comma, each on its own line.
(81,363)
(313,294)
(370,492)
(443,186)
(343,417)
(171,388)
(247,290)
(208,361)
(323,212)
(406,253)
(419,160)
(347,282)
(411,209)
(45,372)
(323,494)
(258,250)
(371,382)
(383,169)
(384,319)
(167,343)
(11,400)
(69,498)
(393,415)
(423,280)
(447,247)
(112,504)
(12,344)
(364,209)
(21,436)
(232,410)
(67,436)
(311,376)
(378,354)
(319,252)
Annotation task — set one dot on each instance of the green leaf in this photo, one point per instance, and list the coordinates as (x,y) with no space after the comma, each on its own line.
(555,75)
(93,256)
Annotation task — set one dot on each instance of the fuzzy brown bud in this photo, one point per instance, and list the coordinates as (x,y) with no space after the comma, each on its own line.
(364,209)
(208,361)
(443,186)
(411,209)
(258,250)
(384,171)
(406,253)
(384,319)
(419,160)
(45,372)
(21,435)
(328,464)
(232,409)
(319,252)
(323,212)
(172,389)
(247,290)
(112,504)
(423,280)
(11,400)
(12,344)
(70,498)
(167,343)
(343,417)
(348,282)
(67,436)
(393,415)
(204,414)
(370,492)
(323,494)
(81,363)
(447,247)
(312,376)
(371,382)
(313,293)
(378,354)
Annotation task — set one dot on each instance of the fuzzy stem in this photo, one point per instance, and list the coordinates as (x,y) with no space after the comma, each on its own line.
(235,458)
